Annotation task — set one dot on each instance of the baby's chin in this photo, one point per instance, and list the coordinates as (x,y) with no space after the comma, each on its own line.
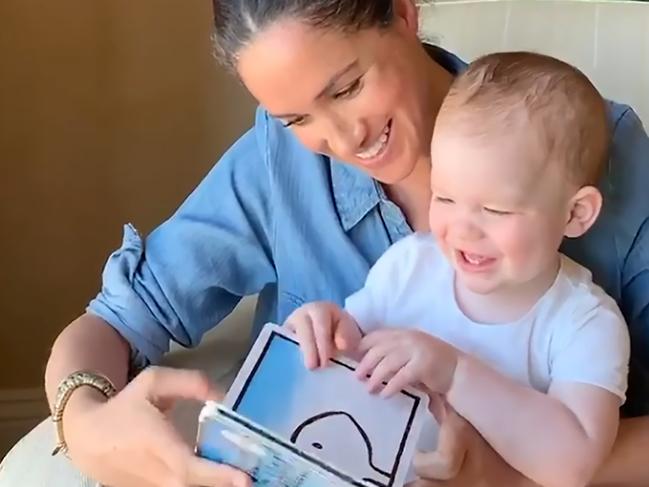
(481,288)
(481,284)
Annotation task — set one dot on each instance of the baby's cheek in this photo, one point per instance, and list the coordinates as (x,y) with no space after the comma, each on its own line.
(518,243)
(438,229)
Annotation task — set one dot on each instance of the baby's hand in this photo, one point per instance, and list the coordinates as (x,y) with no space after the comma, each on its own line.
(323,329)
(406,358)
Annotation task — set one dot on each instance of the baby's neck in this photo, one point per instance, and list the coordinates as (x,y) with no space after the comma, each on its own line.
(507,304)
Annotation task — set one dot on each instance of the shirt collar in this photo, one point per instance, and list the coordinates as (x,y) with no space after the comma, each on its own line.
(355,193)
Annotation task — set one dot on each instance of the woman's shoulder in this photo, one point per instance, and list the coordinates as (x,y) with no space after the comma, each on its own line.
(629,141)
(620,113)
(627,173)
(269,153)
(278,144)
(267,141)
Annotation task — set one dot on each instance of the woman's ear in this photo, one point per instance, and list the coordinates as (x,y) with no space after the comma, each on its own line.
(585,207)
(407,13)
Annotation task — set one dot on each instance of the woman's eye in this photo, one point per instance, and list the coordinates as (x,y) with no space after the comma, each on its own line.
(296,121)
(350,90)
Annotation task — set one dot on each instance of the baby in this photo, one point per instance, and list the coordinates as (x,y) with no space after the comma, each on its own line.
(485,311)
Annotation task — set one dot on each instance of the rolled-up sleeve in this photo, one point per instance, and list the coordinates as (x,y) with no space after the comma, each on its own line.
(191,271)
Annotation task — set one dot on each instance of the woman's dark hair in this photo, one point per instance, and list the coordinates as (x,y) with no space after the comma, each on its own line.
(238,21)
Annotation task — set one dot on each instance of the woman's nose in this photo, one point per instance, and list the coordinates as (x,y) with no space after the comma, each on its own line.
(347,138)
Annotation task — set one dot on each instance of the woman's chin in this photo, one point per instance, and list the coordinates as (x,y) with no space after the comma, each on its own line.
(394,173)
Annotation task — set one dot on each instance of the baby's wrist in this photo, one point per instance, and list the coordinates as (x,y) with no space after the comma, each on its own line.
(459,372)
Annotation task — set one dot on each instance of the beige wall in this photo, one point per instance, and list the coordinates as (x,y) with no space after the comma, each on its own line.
(608,40)
(109,112)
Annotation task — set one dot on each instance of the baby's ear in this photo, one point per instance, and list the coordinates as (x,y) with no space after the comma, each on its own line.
(584,209)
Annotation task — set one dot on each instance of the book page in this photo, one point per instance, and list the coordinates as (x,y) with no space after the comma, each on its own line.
(328,412)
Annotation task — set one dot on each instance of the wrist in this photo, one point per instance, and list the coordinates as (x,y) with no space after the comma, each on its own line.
(462,363)
(80,388)
(74,425)
(81,401)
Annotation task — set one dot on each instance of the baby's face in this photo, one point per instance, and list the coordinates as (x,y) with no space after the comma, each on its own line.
(498,209)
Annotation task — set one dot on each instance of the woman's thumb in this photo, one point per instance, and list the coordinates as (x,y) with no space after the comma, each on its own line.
(437,406)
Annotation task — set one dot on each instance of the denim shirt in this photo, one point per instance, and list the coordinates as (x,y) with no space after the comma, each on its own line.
(276,219)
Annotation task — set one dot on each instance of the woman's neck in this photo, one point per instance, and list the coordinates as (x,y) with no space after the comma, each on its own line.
(412,194)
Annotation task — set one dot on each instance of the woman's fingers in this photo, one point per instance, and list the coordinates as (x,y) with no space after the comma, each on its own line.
(452,444)
(205,473)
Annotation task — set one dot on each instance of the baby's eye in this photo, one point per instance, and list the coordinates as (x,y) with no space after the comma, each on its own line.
(317,446)
(441,199)
(497,212)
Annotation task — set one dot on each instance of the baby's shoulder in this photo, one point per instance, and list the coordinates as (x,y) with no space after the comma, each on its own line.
(415,249)
(415,255)
(575,300)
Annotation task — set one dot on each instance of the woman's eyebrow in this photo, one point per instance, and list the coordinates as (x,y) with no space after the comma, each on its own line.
(330,84)
(334,79)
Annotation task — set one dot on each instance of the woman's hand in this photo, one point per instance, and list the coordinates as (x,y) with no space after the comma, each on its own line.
(129,441)
(446,461)
(463,447)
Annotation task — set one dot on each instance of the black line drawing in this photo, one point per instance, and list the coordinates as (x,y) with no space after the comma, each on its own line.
(306,424)
(275,338)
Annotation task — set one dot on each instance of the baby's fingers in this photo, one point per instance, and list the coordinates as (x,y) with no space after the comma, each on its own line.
(385,371)
(399,381)
(347,334)
(377,338)
(370,360)
(323,330)
(306,338)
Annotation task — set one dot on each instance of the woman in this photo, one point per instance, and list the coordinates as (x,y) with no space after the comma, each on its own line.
(282,215)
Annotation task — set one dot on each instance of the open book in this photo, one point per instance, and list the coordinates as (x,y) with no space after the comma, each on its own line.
(287,425)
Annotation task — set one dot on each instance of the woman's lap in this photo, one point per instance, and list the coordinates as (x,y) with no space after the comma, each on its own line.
(31,464)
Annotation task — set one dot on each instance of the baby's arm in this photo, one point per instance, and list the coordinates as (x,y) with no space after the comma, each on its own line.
(559,438)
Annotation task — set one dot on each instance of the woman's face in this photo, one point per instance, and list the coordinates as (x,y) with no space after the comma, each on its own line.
(361,97)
